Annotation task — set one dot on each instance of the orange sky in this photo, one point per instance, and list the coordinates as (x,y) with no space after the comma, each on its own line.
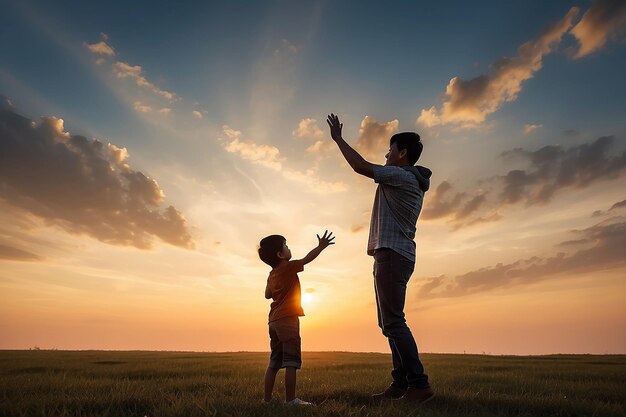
(136,182)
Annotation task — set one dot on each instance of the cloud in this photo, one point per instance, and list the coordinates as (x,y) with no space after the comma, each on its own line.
(605,242)
(604,20)
(467,103)
(269,157)
(308,128)
(373,140)
(443,202)
(142,108)
(357,228)
(100,48)
(322,146)
(529,128)
(549,170)
(197,114)
(82,185)
(310,179)
(620,205)
(456,207)
(553,168)
(266,155)
(134,72)
(165,110)
(14,254)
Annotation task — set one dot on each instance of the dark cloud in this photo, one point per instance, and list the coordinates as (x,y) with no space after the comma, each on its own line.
(444,202)
(15,254)
(604,20)
(618,205)
(82,185)
(455,206)
(605,243)
(553,168)
(549,171)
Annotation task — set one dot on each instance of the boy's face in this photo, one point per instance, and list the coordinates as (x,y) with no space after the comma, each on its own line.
(285,253)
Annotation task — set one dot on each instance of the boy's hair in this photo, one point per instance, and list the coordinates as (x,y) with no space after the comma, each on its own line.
(410,141)
(269,247)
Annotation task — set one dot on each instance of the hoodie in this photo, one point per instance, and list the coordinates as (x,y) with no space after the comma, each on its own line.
(422,174)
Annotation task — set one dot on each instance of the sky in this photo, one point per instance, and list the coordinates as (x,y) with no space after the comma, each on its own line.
(145,149)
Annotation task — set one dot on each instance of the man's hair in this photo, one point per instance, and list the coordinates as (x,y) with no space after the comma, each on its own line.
(269,247)
(410,141)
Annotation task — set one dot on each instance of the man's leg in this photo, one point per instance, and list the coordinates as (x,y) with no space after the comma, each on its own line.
(398,374)
(392,272)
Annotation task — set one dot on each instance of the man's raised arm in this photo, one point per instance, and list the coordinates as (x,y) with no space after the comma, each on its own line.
(356,161)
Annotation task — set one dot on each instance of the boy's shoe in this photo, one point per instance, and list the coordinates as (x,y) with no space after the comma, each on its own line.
(391,393)
(417,395)
(274,400)
(298,402)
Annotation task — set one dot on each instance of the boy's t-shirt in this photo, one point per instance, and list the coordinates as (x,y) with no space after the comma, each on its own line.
(284,285)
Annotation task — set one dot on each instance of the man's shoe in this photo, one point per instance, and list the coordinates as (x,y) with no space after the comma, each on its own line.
(391,393)
(418,395)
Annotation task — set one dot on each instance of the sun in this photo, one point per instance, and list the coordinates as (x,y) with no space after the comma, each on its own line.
(307,299)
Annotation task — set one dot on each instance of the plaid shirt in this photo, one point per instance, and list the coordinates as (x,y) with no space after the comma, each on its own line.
(396,208)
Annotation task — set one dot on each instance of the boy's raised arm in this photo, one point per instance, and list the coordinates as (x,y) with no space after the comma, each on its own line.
(356,161)
(323,243)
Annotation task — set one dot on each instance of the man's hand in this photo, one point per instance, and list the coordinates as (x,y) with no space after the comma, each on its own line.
(324,241)
(335,126)
(356,161)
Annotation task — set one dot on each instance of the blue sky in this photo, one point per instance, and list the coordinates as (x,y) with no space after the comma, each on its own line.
(220,107)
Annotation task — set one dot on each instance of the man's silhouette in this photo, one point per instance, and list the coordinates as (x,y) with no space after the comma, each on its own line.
(397,205)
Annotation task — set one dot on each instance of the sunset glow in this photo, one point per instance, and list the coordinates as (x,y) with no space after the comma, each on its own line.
(145,151)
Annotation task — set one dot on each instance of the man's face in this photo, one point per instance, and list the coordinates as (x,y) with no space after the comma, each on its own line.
(394,156)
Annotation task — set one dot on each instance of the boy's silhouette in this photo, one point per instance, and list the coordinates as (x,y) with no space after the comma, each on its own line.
(283,287)
(397,205)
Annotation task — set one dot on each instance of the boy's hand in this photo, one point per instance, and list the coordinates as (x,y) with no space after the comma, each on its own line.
(326,240)
(335,126)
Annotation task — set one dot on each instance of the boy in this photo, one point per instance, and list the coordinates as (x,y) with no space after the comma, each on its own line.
(283,286)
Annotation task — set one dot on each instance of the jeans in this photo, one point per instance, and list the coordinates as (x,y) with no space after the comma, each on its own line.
(391,275)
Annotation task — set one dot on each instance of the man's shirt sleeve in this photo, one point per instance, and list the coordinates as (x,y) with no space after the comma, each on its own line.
(391,175)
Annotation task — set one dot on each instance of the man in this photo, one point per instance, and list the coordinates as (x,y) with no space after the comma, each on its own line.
(397,205)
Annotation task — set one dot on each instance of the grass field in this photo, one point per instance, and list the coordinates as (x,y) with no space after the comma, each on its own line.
(98,383)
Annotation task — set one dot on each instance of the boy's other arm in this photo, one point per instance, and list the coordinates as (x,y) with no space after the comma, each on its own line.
(356,161)
(323,242)
(268,292)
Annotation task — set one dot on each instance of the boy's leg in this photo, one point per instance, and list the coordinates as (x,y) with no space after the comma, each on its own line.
(276,358)
(290,383)
(270,378)
(288,330)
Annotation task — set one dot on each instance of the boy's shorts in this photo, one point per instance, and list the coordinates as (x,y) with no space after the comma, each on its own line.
(285,343)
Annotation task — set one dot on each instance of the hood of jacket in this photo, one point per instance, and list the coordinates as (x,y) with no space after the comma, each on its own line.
(422,174)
